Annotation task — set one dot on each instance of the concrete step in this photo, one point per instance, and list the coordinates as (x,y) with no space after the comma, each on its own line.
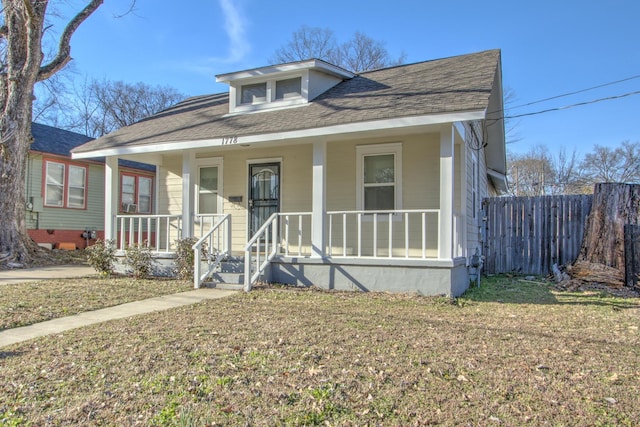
(223,286)
(232,278)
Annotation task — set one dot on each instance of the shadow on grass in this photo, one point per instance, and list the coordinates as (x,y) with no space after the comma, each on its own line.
(8,354)
(517,290)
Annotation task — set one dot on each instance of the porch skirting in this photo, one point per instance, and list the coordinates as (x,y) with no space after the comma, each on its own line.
(424,277)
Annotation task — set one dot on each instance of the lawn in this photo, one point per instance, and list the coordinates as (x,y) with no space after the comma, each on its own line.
(511,353)
(27,303)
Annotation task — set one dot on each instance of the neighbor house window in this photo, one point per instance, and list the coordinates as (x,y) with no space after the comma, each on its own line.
(65,185)
(136,194)
(253,94)
(379,177)
(289,88)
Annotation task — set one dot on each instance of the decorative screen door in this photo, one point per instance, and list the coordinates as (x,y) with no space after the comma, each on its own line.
(264,193)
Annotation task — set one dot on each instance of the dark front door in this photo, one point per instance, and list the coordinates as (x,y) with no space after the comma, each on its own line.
(264,193)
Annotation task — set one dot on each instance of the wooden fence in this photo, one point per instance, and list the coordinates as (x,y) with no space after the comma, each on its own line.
(631,254)
(527,235)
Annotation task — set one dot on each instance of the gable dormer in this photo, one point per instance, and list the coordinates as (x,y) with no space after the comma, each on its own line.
(279,86)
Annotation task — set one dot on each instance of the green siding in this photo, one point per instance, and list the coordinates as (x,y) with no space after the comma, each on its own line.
(61,218)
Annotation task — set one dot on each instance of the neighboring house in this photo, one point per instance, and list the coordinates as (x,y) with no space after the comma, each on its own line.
(311,174)
(65,197)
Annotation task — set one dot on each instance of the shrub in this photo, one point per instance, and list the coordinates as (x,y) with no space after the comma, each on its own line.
(101,256)
(139,260)
(184,258)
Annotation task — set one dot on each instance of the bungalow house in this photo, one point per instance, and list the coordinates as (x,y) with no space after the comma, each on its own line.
(306,173)
(65,197)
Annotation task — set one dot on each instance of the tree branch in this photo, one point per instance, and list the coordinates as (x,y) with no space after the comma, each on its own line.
(64,48)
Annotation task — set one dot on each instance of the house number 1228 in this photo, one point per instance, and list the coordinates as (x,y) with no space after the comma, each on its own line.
(229,140)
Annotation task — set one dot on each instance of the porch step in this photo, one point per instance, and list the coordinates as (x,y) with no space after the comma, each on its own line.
(225,286)
(228,275)
(228,278)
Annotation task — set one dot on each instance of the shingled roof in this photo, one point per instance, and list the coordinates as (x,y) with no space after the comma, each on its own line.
(456,84)
(53,140)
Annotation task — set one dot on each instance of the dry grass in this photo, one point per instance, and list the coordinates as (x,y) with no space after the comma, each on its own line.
(27,303)
(511,353)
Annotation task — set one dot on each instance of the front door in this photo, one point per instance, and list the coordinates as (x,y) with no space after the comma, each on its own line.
(264,193)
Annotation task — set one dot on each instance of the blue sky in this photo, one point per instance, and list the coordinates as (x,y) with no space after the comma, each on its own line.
(549,48)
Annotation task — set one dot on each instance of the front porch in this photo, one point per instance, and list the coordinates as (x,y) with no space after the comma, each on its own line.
(363,250)
(315,212)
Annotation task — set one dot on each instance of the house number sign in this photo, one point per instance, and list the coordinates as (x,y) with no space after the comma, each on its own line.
(229,140)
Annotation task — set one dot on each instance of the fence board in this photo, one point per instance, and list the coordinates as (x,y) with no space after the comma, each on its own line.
(631,254)
(528,235)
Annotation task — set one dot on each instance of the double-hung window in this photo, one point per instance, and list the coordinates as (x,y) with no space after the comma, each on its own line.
(65,185)
(379,177)
(209,187)
(136,194)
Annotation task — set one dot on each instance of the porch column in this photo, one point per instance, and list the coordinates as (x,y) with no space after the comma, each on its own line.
(188,190)
(319,199)
(111,191)
(445,233)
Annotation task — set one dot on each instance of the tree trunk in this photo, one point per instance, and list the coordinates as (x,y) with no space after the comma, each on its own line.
(602,257)
(23,22)
(614,205)
(20,68)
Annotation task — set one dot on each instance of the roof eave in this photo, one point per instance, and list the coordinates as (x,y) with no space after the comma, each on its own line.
(326,131)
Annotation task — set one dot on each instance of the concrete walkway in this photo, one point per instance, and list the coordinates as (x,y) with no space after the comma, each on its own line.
(55,326)
(21,275)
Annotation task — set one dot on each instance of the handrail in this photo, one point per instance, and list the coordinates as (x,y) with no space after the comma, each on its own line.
(262,233)
(221,249)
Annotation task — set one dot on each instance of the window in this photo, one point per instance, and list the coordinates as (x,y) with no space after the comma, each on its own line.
(136,194)
(254,94)
(208,190)
(65,185)
(77,187)
(379,177)
(289,88)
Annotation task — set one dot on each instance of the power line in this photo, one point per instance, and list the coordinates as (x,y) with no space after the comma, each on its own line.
(593,101)
(576,92)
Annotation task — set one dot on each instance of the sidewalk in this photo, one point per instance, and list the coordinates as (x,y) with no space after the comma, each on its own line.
(21,275)
(55,326)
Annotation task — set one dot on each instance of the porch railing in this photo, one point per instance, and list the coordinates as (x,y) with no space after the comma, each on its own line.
(158,231)
(205,222)
(408,233)
(260,250)
(215,244)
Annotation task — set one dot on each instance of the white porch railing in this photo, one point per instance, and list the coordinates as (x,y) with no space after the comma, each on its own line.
(203,223)
(159,231)
(408,233)
(216,244)
(260,250)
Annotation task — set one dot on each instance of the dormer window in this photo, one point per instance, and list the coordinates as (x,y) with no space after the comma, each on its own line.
(281,86)
(253,94)
(289,88)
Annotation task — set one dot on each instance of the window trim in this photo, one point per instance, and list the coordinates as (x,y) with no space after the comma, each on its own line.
(136,191)
(362,151)
(65,183)
(271,101)
(204,163)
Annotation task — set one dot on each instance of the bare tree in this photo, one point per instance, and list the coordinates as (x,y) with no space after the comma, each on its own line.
(620,164)
(21,66)
(531,174)
(360,53)
(104,106)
